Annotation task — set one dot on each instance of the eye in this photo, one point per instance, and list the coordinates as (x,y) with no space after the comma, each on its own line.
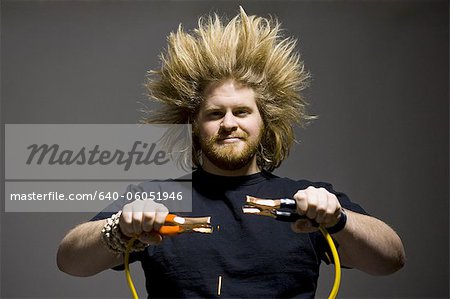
(214,114)
(242,112)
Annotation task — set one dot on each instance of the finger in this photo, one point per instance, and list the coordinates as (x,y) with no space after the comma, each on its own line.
(125,221)
(301,201)
(137,222)
(160,217)
(137,217)
(333,211)
(330,218)
(322,205)
(320,215)
(148,219)
(313,201)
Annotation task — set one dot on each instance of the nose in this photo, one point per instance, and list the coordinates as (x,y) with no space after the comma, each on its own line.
(229,122)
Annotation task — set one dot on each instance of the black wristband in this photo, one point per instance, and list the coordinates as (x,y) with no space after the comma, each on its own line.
(340,224)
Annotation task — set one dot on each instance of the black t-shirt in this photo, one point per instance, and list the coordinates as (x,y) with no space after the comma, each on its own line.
(256,256)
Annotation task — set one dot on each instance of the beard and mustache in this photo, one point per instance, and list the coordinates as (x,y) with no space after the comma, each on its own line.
(230,156)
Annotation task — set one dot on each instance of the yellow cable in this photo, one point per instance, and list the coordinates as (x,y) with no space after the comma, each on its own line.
(337,263)
(127,268)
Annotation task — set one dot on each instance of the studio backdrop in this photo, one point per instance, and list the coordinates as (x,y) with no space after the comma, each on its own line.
(379,87)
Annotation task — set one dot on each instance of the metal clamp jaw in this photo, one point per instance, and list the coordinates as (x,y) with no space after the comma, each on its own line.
(176,225)
(283,209)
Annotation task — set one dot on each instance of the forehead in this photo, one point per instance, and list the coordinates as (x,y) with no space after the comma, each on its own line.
(228,93)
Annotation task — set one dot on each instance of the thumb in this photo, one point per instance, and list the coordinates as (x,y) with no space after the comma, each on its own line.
(151,238)
(303,226)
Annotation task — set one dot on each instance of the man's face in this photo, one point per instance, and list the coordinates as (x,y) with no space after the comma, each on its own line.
(229,126)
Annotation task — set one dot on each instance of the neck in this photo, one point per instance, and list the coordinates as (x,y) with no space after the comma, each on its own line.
(250,168)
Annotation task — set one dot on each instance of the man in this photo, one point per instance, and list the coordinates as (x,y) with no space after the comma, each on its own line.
(238,85)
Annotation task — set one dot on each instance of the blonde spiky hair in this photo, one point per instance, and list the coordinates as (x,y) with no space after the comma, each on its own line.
(249,50)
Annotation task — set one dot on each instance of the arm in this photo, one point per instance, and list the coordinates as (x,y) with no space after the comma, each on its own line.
(365,243)
(370,245)
(82,252)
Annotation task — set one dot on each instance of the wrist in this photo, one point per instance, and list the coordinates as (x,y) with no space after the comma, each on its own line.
(115,240)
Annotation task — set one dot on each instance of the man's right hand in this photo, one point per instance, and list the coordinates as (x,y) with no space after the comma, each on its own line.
(143,218)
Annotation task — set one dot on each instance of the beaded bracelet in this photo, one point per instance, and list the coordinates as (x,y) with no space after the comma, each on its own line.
(115,240)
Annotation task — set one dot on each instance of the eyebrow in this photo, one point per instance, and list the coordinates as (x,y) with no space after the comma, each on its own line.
(216,107)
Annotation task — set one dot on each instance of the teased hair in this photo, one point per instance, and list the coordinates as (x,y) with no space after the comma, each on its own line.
(248,49)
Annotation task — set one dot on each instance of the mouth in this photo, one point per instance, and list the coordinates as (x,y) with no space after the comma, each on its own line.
(229,139)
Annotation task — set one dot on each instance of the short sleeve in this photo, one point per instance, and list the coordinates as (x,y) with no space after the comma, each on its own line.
(345,202)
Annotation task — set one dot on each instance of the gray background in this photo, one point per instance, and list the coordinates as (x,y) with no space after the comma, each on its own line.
(380,86)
